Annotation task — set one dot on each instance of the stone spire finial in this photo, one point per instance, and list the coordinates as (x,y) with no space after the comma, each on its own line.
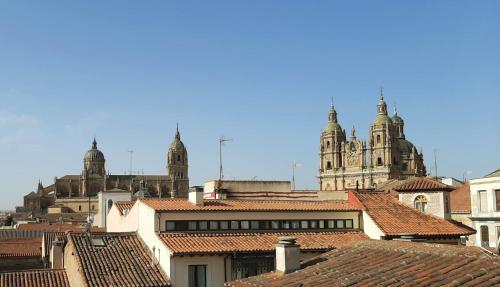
(381,93)
(353,133)
(94,144)
(395,110)
(177,134)
(332,115)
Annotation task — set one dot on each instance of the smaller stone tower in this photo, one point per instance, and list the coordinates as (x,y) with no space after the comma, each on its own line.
(177,160)
(94,172)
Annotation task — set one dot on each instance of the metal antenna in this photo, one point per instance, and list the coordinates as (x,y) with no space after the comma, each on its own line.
(294,165)
(435,163)
(222,140)
(131,153)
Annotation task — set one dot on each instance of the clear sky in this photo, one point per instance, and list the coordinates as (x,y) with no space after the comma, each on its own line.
(259,72)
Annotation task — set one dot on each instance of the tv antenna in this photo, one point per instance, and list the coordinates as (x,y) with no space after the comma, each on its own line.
(131,154)
(294,166)
(222,140)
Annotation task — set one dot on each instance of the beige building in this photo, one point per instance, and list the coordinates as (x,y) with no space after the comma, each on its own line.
(352,163)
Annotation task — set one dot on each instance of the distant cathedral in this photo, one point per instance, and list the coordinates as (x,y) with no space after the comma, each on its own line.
(94,179)
(351,163)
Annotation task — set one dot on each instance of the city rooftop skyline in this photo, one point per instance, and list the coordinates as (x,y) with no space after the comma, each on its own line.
(262,74)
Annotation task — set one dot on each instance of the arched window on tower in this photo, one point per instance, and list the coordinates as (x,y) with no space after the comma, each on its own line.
(328,165)
(178,157)
(379,161)
(327,144)
(420,203)
(378,138)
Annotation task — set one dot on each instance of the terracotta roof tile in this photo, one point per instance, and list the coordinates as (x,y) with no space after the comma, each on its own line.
(166,205)
(20,247)
(211,243)
(55,227)
(122,205)
(460,199)
(383,263)
(395,218)
(34,278)
(423,184)
(123,261)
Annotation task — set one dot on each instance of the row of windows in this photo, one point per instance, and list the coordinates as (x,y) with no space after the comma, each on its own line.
(213,225)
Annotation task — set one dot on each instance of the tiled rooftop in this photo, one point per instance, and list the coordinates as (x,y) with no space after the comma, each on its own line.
(34,278)
(122,205)
(20,247)
(165,205)
(388,263)
(423,184)
(48,238)
(55,227)
(123,261)
(460,199)
(395,218)
(212,243)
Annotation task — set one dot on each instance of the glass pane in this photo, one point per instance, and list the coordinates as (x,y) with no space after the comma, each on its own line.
(313,224)
(265,224)
(285,224)
(192,225)
(203,225)
(191,276)
(331,223)
(254,224)
(201,275)
(170,225)
(235,224)
(321,224)
(224,225)
(340,224)
(348,223)
(275,224)
(245,224)
(295,224)
(214,225)
(304,224)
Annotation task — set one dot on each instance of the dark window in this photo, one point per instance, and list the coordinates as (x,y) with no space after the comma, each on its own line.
(254,224)
(378,138)
(348,223)
(379,161)
(485,236)
(328,165)
(265,224)
(275,224)
(339,223)
(197,275)
(214,225)
(202,225)
(235,224)
(304,224)
(321,224)
(178,158)
(170,225)
(313,224)
(192,225)
(497,198)
(79,208)
(331,223)
(244,224)
(93,207)
(328,144)
(295,224)
(224,225)
(244,266)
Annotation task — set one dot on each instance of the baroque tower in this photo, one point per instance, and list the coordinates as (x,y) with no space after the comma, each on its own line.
(177,167)
(351,163)
(94,172)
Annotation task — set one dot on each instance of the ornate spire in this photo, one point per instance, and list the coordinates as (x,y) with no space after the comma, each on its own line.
(395,110)
(381,106)
(332,115)
(177,134)
(94,144)
(381,93)
(353,133)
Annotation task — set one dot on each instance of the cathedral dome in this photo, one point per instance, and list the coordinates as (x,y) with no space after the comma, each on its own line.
(396,119)
(93,153)
(333,124)
(177,144)
(382,117)
(406,147)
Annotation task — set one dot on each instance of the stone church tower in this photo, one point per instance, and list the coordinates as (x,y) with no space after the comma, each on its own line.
(177,167)
(351,164)
(94,173)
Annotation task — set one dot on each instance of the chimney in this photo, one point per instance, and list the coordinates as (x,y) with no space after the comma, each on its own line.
(57,254)
(287,254)
(196,195)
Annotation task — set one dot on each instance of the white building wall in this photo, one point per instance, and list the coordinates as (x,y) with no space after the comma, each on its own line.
(117,222)
(103,210)
(435,202)
(371,228)
(490,217)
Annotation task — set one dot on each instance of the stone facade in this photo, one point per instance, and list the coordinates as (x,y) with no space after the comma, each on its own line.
(350,163)
(94,179)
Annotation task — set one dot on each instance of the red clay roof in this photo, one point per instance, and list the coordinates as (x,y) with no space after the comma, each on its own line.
(395,218)
(423,184)
(460,199)
(166,205)
(388,263)
(34,278)
(56,227)
(20,247)
(123,261)
(213,243)
(122,205)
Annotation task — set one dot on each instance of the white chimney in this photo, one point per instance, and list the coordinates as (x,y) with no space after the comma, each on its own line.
(57,254)
(287,254)
(196,195)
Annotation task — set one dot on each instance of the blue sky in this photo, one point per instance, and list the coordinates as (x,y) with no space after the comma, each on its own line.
(259,72)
